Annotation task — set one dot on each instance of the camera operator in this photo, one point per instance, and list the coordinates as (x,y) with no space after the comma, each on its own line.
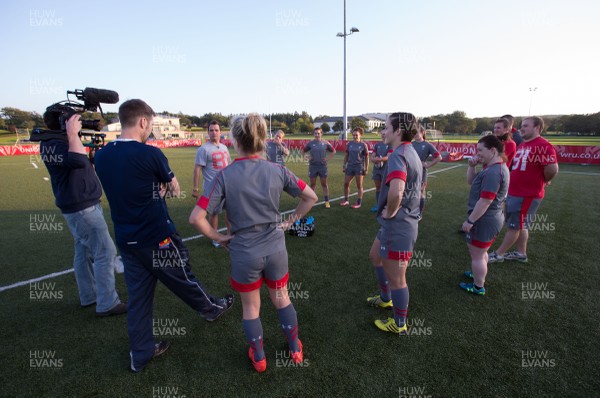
(77,192)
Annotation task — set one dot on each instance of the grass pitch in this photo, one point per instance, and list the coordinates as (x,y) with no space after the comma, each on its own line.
(533,334)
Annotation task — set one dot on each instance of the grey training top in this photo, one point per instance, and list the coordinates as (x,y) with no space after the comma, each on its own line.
(490,183)
(249,189)
(357,152)
(212,158)
(318,152)
(275,153)
(424,149)
(381,150)
(403,163)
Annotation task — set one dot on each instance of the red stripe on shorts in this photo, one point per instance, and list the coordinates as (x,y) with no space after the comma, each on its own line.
(245,287)
(524,209)
(402,256)
(482,245)
(280,284)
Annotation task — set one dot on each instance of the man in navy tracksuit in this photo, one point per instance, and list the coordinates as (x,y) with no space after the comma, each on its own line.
(136,178)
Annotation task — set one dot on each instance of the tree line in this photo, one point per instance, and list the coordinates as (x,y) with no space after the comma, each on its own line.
(456,122)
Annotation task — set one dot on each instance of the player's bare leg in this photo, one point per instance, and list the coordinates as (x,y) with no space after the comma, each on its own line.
(325,188)
(377,189)
(509,240)
(522,241)
(313,182)
(250,304)
(347,180)
(213,219)
(359,188)
(479,260)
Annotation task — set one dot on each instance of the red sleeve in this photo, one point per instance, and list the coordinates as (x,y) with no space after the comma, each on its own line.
(301,184)
(203,202)
(487,195)
(396,174)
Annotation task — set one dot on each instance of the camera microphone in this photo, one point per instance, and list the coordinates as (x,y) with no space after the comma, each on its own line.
(98,96)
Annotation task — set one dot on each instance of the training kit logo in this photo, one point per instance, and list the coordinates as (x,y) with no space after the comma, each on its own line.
(417,327)
(283,359)
(162,327)
(413,392)
(167,392)
(44,223)
(537,359)
(536,291)
(168,55)
(290,18)
(44,291)
(44,359)
(294,291)
(418,260)
(44,19)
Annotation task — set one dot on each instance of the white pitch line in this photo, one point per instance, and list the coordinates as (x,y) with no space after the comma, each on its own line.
(41,278)
(67,271)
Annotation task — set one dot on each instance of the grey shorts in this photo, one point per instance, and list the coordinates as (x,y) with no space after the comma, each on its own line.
(397,238)
(317,170)
(352,171)
(485,230)
(520,212)
(377,174)
(248,274)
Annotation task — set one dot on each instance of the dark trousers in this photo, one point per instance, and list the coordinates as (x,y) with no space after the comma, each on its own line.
(169,263)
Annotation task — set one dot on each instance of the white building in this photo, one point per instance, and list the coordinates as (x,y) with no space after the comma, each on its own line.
(163,128)
(372,120)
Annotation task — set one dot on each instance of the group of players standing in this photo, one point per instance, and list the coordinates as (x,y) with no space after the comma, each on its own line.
(137,179)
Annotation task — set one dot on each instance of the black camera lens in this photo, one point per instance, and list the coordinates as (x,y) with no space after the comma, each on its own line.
(91,125)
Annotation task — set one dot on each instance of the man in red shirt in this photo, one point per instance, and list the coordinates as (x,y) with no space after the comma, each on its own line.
(502,131)
(534,166)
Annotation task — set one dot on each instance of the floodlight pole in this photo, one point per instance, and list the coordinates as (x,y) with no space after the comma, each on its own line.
(531,90)
(344,35)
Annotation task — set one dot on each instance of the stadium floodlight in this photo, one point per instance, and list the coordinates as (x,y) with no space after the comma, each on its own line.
(531,91)
(344,35)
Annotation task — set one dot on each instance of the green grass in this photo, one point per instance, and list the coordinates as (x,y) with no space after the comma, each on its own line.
(466,346)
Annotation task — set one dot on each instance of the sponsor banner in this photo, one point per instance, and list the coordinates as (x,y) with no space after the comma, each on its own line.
(174,143)
(11,150)
(450,151)
(565,153)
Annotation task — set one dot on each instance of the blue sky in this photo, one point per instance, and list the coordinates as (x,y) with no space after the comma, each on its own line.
(232,56)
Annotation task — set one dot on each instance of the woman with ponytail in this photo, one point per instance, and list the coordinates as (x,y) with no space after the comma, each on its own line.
(249,190)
